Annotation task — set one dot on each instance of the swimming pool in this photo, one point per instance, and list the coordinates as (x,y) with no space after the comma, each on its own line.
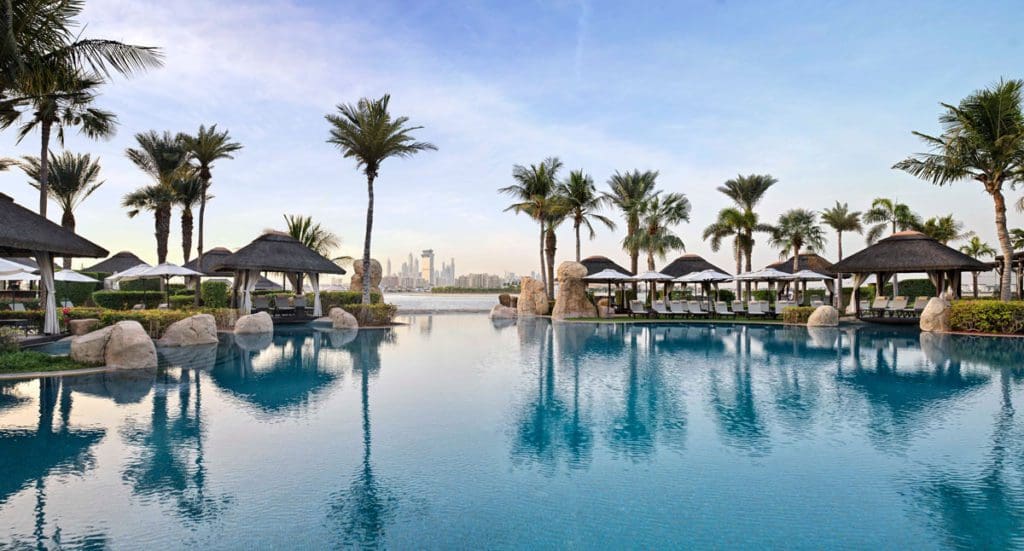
(453,431)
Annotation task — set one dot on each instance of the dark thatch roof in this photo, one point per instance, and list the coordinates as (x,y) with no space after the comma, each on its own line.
(688,264)
(278,252)
(211,259)
(267,284)
(808,261)
(596,264)
(908,251)
(24,232)
(117,263)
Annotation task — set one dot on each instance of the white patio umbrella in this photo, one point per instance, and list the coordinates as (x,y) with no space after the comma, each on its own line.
(8,267)
(72,276)
(19,276)
(807,275)
(608,276)
(767,274)
(707,277)
(652,278)
(167,271)
(115,280)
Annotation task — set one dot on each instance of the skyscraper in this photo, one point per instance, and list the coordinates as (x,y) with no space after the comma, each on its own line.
(389,268)
(427,267)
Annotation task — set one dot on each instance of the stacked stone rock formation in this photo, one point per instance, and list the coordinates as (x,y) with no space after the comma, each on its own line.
(376,272)
(533,298)
(572,300)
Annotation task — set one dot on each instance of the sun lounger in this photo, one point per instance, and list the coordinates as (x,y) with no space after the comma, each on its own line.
(678,308)
(637,309)
(660,308)
(163,306)
(722,310)
(754,309)
(696,310)
(897,306)
(919,304)
(299,303)
(817,303)
(260,303)
(139,306)
(879,305)
(865,306)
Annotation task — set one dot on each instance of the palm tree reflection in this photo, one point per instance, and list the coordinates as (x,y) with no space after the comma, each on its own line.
(739,421)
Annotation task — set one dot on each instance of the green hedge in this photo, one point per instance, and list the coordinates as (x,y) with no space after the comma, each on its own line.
(331,299)
(124,300)
(372,315)
(214,294)
(155,322)
(912,288)
(151,285)
(988,316)
(797,314)
(182,302)
(80,294)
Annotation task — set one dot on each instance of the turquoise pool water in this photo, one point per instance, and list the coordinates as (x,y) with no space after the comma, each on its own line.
(452,431)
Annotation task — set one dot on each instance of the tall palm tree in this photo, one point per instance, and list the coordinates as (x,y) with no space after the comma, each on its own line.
(557,212)
(73,178)
(583,202)
(977,248)
(164,159)
(627,192)
(889,214)
(746,193)
(945,229)
(983,141)
(535,191)
(840,219)
(657,216)
(796,230)
(367,133)
(731,223)
(206,147)
(188,192)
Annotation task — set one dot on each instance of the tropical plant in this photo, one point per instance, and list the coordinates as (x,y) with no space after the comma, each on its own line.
(73,178)
(188,192)
(657,216)
(164,159)
(535,193)
(945,229)
(557,212)
(1017,239)
(976,248)
(796,230)
(982,140)
(889,214)
(731,223)
(367,133)
(627,192)
(312,234)
(206,147)
(840,219)
(583,202)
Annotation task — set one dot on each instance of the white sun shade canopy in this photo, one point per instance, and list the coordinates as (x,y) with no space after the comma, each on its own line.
(652,276)
(807,275)
(767,274)
(73,277)
(609,275)
(704,276)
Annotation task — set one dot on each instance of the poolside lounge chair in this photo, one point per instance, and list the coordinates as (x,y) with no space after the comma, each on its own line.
(897,306)
(737,307)
(260,303)
(637,308)
(679,308)
(139,306)
(660,308)
(722,310)
(919,304)
(299,303)
(754,309)
(865,306)
(696,310)
(816,303)
(879,305)
(163,306)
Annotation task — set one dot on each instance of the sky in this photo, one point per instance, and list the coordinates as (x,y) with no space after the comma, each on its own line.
(821,95)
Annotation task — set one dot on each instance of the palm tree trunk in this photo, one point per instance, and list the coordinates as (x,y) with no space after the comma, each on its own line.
(68,222)
(1004,244)
(370,176)
(974,277)
(634,254)
(199,238)
(163,231)
(186,234)
(650,261)
(550,242)
(543,269)
(739,267)
(44,167)
(576,227)
(839,239)
(749,253)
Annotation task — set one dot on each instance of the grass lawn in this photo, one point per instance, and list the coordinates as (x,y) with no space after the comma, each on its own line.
(28,361)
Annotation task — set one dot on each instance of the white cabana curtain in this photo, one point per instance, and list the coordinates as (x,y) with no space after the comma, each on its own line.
(858,280)
(247,284)
(314,282)
(51,326)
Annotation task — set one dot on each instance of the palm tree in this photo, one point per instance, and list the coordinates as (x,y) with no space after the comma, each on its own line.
(627,192)
(982,140)
(655,236)
(188,192)
(731,222)
(556,213)
(1017,239)
(746,193)
(73,178)
(840,219)
(888,214)
(977,248)
(945,229)
(367,133)
(582,200)
(535,190)
(204,148)
(312,235)
(164,159)
(797,230)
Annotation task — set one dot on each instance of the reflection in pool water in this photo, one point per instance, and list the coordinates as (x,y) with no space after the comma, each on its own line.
(458,431)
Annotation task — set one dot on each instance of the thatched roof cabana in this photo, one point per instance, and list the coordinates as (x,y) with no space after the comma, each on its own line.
(117,263)
(24,233)
(909,252)
(211,258)
(807,261)
(597,264)
(275,252)
(688,264)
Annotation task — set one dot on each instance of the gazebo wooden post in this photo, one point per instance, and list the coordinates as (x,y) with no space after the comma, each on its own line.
(855,297)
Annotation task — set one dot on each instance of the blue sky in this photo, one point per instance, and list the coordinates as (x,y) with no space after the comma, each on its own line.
(822,95)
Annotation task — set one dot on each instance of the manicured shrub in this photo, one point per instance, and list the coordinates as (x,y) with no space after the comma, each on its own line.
(182,302)
(155,322)
(797,314)
(80,294)
(331,299)
(152,285)
(9,339)
(123,300)
(214,294)
(725,295)
(373,314)
(988,316)
(26,361)
(912,288)
(763,294)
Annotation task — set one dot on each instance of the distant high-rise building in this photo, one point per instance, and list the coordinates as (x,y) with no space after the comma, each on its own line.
(389,268)
(427,267)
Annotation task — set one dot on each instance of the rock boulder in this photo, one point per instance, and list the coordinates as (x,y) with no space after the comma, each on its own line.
(83,326)
(572,300)
(198,329)
(533,298)
(129,347)
(91,348)
(935,317)
(503,312)
(824,316)
(376,272)
(340,319)
(254,324)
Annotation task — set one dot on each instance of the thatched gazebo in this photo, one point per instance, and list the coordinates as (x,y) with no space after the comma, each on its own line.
(688,264)
(117,263)
(595,264)
(908,252)
(1017,265)
(211,259)
(807,261)
(25,233)
(276,252)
